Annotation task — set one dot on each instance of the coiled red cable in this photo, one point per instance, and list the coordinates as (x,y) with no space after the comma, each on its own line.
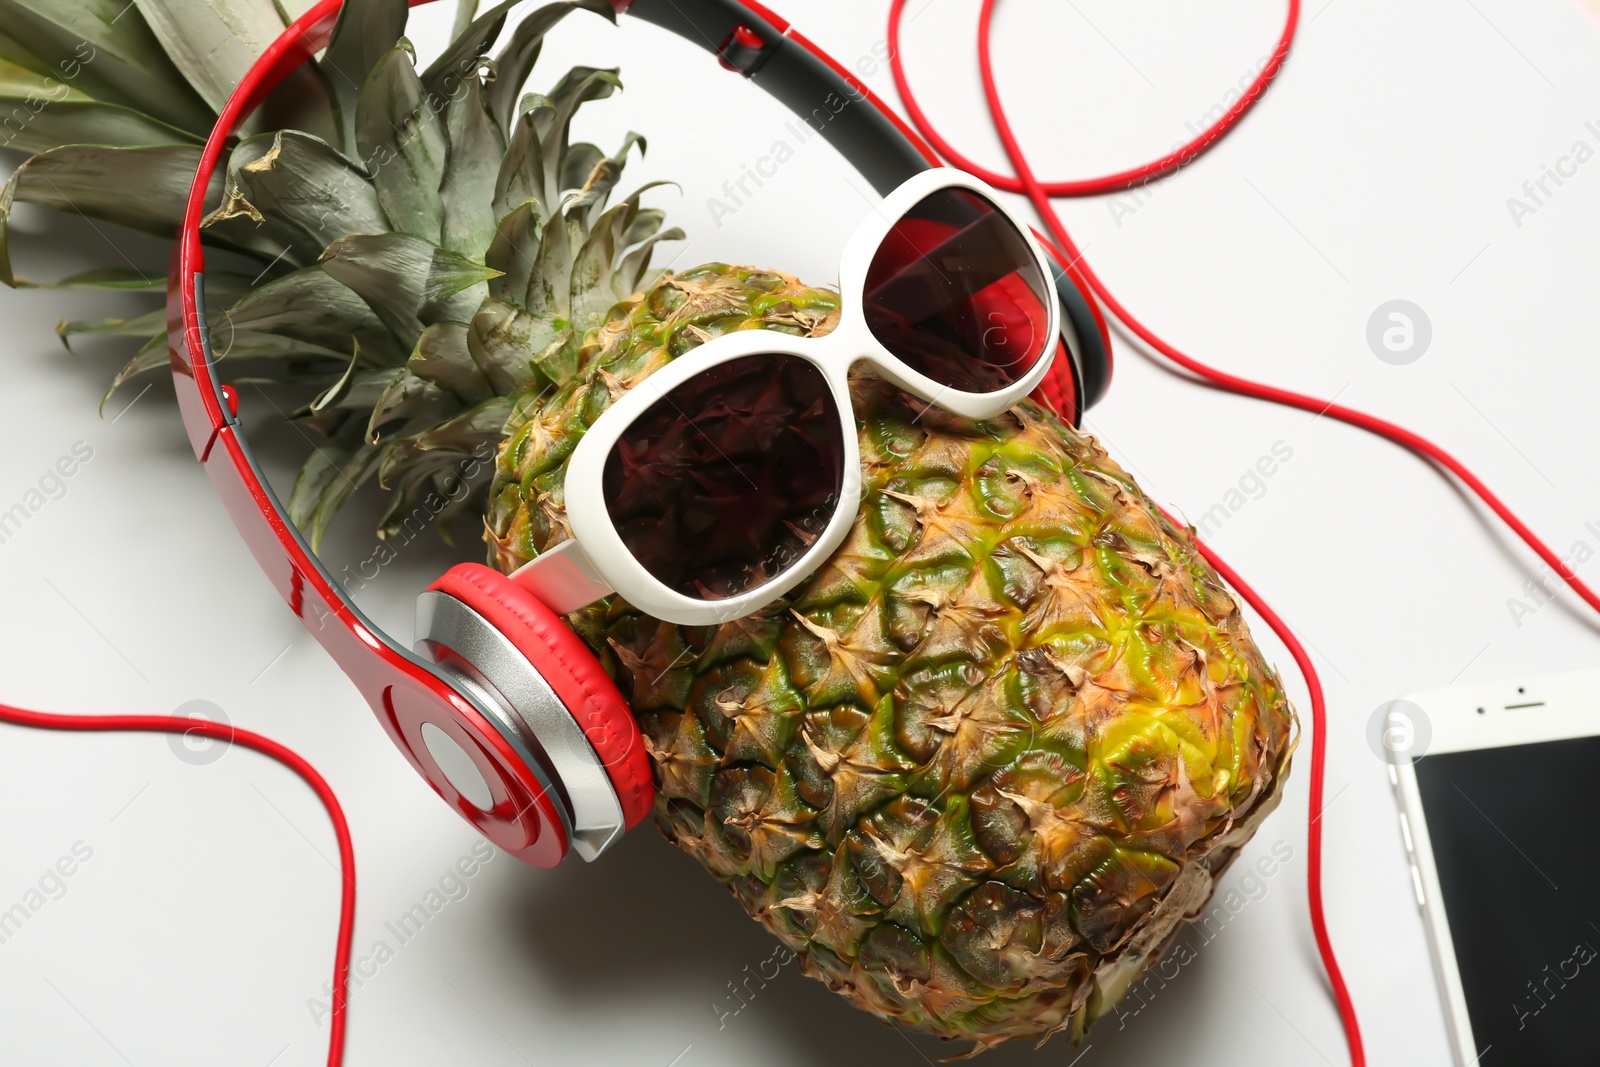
(1109,183)
(267,747)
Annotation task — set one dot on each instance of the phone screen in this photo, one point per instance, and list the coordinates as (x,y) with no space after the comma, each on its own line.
(1517,847)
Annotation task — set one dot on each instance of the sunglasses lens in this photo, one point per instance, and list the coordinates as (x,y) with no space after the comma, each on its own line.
(956,292)
(722,485)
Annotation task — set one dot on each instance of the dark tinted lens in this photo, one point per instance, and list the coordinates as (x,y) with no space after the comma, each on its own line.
(956,293)
(722,484)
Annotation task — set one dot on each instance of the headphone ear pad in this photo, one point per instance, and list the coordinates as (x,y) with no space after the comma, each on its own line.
(1073,386)
(1058,390)
(571,669)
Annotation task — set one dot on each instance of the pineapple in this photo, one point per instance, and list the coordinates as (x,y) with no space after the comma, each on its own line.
(974,773)
(977,771)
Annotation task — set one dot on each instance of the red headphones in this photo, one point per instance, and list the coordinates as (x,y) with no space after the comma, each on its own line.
(500,706)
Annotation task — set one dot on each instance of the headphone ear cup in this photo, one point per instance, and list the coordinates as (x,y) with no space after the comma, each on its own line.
(1058,390)
(572,671)
(1076,384)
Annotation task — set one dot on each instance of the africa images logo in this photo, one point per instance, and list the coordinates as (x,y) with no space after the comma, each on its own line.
(52,885)
(51,485)
(1539,190)
(1551,982)
(452,887)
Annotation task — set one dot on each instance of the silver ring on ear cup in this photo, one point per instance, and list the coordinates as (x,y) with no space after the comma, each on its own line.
(478,657)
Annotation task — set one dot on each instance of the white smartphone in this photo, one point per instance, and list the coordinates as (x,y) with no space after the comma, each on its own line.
(1498,785)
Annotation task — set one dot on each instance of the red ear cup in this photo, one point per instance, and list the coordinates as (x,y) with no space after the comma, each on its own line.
(1057,390)
(1077,380)
(571,670)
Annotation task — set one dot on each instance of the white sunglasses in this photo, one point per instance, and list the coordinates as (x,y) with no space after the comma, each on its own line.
(728,476)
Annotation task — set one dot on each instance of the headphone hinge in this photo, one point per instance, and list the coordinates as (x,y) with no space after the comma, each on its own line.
(744,50)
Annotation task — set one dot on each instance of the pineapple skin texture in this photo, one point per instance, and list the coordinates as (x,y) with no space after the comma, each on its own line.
(980,768)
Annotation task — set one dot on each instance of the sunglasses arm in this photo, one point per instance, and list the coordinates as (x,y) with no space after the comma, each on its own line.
(564,578)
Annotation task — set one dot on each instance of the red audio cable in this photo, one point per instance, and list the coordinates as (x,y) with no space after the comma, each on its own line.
(1109,183)
(1319,732)
(267,747)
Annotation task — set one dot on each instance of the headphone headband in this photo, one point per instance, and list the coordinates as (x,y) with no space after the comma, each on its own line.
(532,814)
(752,41)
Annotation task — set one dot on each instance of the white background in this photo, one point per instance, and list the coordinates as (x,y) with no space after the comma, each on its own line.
(1379,167)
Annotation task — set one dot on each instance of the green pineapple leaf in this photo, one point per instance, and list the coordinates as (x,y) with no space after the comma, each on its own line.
(152,355)
(19,82)
(646,223)
(334,470)
(365,391)
(38,112)
(366,30)
(291,10)
(594,266)
(306,315)
(409,283)
(520,178)
(307,188)
(512,252)
(436,475)
(599,182)
(443,357)
(405,397)
(103,48)
(73,122)
(470,174)
(515,62)
(146,325)
(635,269)
(302,101)
(507,342)
(331,396)
(549,293)
(578,86)
(141,188)
(459,63)
(116,279)
(579,163)
(213,42)
(402,140)
(466,11)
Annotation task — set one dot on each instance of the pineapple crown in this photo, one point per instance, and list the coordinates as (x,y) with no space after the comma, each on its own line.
(420,246)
